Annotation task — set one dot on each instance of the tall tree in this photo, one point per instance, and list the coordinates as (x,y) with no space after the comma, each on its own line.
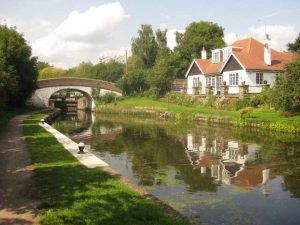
(295,46)
(198,34)
(145,45)
(18,68)
(111,71)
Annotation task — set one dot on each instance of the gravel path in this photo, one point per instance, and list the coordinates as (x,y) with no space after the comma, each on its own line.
(18,194)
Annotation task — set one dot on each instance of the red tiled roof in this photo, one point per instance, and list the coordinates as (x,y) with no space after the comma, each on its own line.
(250,53)
(208,67)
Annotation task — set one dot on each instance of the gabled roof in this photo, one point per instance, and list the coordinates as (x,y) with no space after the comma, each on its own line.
(250,54)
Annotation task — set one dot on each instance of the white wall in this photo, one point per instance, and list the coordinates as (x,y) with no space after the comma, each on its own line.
(190,83)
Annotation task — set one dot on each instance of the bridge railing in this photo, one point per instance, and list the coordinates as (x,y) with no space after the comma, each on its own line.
(67,81)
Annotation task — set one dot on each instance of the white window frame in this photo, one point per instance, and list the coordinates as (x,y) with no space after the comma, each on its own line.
(259,78)
(234,79)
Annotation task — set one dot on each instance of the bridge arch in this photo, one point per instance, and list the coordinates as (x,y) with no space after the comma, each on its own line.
(47,87)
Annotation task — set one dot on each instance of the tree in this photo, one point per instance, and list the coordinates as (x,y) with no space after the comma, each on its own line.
(84,69)
(112,70)
(41,65)
(295,46)
(162,77)
(51,72)
(18,69)
(145,45)
(197,35)
(135,82)
(162,48)
(286,92)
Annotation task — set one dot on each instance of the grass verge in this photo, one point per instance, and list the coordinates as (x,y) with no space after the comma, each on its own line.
(73,194)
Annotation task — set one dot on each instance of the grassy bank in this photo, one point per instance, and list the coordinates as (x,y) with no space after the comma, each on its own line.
(263,119)
(73,194)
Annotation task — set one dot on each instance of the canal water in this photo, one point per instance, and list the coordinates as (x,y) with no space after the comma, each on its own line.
(213,174)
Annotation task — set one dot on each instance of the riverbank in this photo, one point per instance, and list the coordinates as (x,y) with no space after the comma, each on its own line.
(260,119)
(74,194)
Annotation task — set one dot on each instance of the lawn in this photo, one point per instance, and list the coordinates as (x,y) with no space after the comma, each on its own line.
(258,114)
(73,194)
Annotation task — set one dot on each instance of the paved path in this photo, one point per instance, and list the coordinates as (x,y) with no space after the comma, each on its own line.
(18,194)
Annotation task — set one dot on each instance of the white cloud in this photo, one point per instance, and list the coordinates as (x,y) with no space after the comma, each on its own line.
(81,36)
(280,35)
(171,38)
(93,25)
(32,29)
(232,37)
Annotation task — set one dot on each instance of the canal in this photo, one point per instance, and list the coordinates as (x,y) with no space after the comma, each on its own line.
(213,174)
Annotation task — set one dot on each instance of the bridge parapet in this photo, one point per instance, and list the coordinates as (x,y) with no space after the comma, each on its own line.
(66,81)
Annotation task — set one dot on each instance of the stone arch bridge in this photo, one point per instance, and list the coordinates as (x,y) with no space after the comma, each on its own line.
(46,88)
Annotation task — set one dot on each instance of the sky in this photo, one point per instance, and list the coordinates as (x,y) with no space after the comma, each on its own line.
(67,32)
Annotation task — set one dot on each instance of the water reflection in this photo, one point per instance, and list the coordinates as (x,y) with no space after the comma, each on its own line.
(219,175)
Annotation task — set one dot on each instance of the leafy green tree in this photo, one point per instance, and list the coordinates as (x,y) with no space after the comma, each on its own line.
(162,77)
(286,92)
(41,65)
(295,46)
(51,72)
(112,70)
(161,38)
(84,69)
(197,34)
(135,82)
(145,45)
(18,69)
(135,62)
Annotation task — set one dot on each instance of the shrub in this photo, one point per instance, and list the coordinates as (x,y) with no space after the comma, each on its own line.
(153,92)
(210,101)
(180,99)
(256,101)
(287,114)
(108,97)
(246,112)
(242,103)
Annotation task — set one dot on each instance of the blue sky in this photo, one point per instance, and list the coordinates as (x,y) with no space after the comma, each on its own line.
(66,32)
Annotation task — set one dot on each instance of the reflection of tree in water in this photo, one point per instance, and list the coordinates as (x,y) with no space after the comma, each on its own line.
(152,148)
(285,157)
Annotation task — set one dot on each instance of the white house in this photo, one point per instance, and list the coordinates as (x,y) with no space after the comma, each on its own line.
(245,61)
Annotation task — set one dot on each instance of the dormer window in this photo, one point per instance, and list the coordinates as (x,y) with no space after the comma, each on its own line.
(226,53)
(216,56)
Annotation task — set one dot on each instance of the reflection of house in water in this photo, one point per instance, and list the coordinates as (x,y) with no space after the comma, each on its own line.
(228,161)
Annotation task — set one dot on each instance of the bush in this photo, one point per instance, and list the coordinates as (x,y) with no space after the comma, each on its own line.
(108,97)
(287,114)
(210,101)
(180,99)
(246,111)
(242,103)
(153,92)
(256,101)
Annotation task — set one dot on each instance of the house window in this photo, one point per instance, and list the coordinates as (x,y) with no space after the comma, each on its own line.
(233,79)
(216,56)
(259,78)
(196,82)
(208,81)
(218,81)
